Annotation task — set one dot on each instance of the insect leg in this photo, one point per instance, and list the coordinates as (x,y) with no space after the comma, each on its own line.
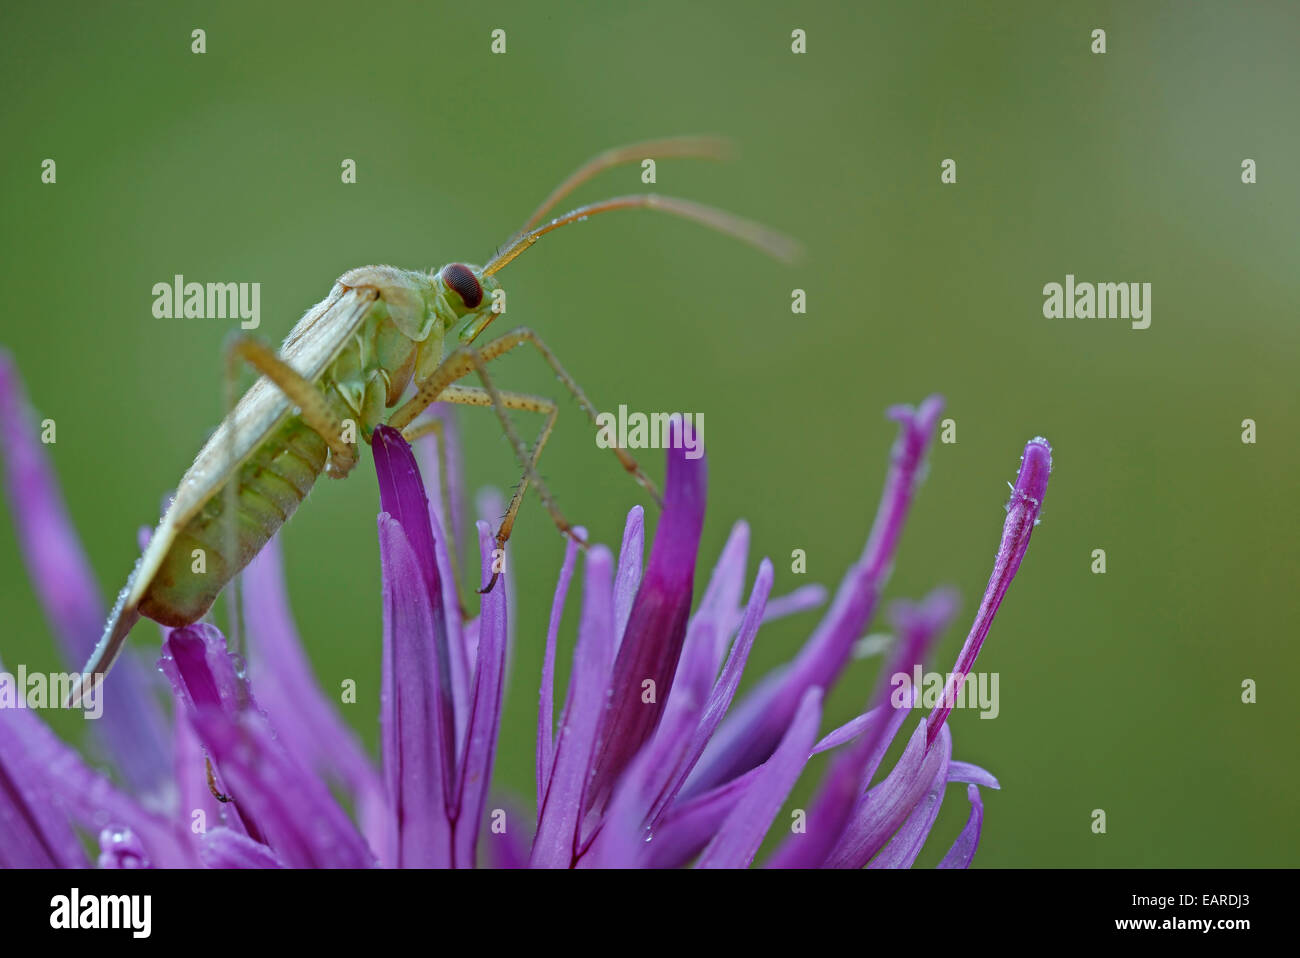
(455,366)
(311,402)
(212,783)
(501,401)
(458,364)
(517,337)
(437,387)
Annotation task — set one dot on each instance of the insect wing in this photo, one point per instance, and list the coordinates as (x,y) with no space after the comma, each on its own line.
(312,345)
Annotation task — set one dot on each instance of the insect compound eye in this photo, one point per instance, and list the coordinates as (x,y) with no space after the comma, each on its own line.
(462,279)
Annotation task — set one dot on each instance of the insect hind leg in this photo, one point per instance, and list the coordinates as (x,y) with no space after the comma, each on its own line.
(314,407)
(490,396)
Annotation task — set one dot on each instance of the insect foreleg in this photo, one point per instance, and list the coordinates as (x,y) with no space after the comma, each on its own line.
(526,459)
(501,401)
(429,390)
(517,337)
(458,364)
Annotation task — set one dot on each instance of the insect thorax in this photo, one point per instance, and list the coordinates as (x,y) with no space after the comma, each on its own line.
(401,340)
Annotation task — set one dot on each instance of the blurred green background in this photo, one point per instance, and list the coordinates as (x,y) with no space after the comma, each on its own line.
(1118,691)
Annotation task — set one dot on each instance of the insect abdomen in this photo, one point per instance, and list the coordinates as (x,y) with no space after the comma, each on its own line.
(272,482)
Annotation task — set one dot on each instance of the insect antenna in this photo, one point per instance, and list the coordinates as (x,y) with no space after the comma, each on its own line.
(698,147)
(673,147)
(769,241)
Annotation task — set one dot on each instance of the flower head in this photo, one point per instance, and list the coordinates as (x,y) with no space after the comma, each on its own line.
(653,761)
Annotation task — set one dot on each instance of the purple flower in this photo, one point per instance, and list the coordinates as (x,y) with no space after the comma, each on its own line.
(652,762)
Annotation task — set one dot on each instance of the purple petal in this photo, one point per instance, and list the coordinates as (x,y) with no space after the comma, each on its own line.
(33,832)
(198,806)
(717,610)
(279,800)
(656,627)
(491,506)
(507,847)
(903,848)
(455,489)
(724,689)
(628,578)
(850,730)
(401,496)
(738,839)
(546,704)
(457,640)
(653,777)
(837,796)
(460,644)
(60,572)
(292,808)
(556,844)
(223,848)
(82,794)
(417,745)
(308,723)
(851,772)
(802,599)
(1022,515)
(470,630)
(485,708)
(966,772)
(625,827)
(695,706)
(687,826)
(89,798)
(121,848)
(132,726)
(749,735)
(963,849)
(203,674)
(884,809)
